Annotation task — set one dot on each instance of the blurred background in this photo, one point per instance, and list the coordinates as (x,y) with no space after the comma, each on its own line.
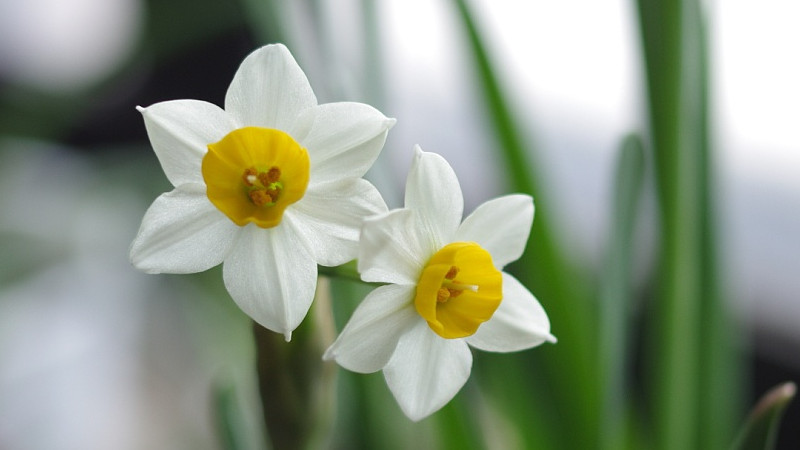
(94,354)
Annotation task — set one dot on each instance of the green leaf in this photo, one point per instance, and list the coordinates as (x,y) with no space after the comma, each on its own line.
(691,355)
(568,370)
(616,292)
(227,416)
(761,428)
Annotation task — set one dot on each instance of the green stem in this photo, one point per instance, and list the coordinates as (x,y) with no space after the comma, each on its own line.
(346,271)
(675,356)
(568,371)
(693,361)
(720,402)
(296,386)
(616,294)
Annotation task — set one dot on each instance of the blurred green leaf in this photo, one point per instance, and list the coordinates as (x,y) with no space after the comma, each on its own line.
(268,19)
(25,255)
(761,428)
(616,293)
(674,321)
(568,370)
(458,427)
(226,416)
(721,377)
(691,356)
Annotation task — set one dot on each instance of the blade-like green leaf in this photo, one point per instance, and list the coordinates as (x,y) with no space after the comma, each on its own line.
(616,293)
(568,370)
(226,417)
(691,356)
(760,431)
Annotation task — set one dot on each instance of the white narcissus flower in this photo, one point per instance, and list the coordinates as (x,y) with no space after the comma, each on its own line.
(270,186)
(445,289)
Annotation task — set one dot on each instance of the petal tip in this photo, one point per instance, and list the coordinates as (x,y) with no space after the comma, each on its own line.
(139,265)
(416,417)
(136,259)
(269,48)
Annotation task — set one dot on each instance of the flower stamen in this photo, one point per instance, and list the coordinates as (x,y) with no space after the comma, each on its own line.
(451,274)
(253,174)
(249,176)
(259,197)
(263,188)
(478,290)
(452,288)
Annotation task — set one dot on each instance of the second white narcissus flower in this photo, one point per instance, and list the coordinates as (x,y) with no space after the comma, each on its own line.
(270,186)
(445,289)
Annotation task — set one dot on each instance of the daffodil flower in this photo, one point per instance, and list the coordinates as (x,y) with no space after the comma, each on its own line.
(270,187)
(445,289)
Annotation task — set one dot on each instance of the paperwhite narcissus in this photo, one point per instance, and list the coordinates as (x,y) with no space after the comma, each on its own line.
(270,186)
(445,289)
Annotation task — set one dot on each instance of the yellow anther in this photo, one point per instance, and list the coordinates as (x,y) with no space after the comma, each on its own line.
(250,176)
(442,295)
(451,274)
(273,175)
(260,197)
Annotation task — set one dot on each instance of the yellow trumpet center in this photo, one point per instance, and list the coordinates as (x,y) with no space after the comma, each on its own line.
(458,290)
(254,173)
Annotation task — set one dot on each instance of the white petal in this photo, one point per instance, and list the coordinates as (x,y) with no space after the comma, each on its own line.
(182,232)
(501,226)
(519,322)
(370,336)
(269,90)
(432,190)
(427,371)
(271,275)
(343,139)
(390,250)
(331,215)
(180,131)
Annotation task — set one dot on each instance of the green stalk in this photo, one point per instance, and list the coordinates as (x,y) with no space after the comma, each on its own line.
(569,368)
(226,417)
(346,271)
(675,357)
(693,365)
(721,378)
(616,294)
(297,388)
(457,423)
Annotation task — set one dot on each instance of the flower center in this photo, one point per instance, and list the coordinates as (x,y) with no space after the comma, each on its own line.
(458,290)
(253,174)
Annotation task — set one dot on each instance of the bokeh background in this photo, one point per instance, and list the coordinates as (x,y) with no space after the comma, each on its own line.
(94,354)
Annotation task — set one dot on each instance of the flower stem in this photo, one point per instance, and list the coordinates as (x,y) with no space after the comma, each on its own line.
(297,387)
(346,271)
